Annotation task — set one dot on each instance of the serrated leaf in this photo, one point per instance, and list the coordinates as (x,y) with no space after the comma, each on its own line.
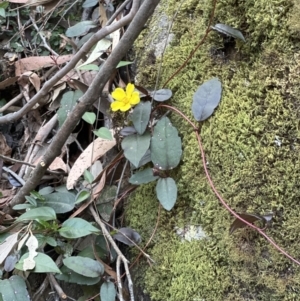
(68,102)
(143,177)
(229,31)
(166,147)
(206,99)
(82,195)
(72,277)
(162,95)
(166,191)
(130,233)
(140,116)
(77,227)
(43,213)
(80,28)
(135,146)
(61,202)
(104,133)
(108,292)
(84,266)
(14,289)
(43,264)
(89,117)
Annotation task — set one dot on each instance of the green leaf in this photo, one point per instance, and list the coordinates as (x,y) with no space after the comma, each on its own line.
(166,191)
(43,213)
(135,146)
(89,3)
(23,206)
(61,202)
(89,117)
(143,177)
(105,202)
(108,292)
(123,63)
(166,148)
(82,195)
(77,227)
(4,4)
(72,277)
(206,99)
(162,95)
(42,239)
(104,133)
(36,195)
(14,289)
(43,264)
(229,31)
(2,12)
(84,266)
(31,200)
(141,115)
(89,67)
(68,102)
(80,29)
(46,190)
(88,176)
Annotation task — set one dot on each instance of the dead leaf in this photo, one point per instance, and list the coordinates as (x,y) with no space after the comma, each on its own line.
(38,62)
(249,217)
(34,79)
(92,153)
(58,163)
(4,148)
(7,246)
(8,82)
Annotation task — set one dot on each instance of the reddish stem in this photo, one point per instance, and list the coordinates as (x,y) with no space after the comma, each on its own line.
(236,215)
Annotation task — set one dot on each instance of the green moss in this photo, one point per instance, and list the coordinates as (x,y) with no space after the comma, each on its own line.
(252,147)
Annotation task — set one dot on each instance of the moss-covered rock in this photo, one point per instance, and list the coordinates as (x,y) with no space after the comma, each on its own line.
(252,149)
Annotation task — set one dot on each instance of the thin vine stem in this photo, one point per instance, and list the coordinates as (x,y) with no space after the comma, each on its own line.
(228,208)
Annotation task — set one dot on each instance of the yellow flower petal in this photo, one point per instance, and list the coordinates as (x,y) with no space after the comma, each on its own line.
(135,98)
(116,105)
(118,94)
(125,107)
(129,90)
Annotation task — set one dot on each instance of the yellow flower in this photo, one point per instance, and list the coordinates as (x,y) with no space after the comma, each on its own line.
(124,100)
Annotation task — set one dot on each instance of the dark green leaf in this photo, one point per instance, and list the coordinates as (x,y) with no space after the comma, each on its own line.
(14,289)
(108,292)
(166,191)
(141,115)
(77,227)
(165,145)
(123,63)
(162,95)
(206,99)
(133,236)
(135,146)
(84,266)
(46,190)
(43,213)
(61,202)
(128,130)
(72,277)
(143,177)
(43,264)
(229,31)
